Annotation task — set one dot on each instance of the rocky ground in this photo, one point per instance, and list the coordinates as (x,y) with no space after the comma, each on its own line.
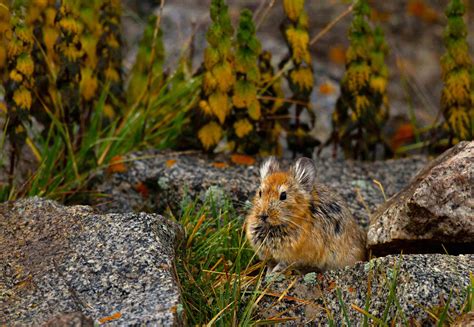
(421,281)
(79,264)
(170,177)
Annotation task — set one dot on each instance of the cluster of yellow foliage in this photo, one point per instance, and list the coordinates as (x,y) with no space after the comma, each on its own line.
(54,57)
(457,98)
(297,36)
(21,66)
(300,77)
(362,108)
(230,82)
(219,77)
(55,48)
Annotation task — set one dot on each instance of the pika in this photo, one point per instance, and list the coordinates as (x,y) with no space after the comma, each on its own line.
(298,223)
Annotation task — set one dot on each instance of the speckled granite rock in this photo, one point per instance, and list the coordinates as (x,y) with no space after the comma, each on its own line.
(167,177)
(57,260)
(435,210)
(73,319)
(424,281)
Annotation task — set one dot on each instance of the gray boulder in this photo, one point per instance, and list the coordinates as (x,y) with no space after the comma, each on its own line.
(420,283)
(435,213)
(58,262)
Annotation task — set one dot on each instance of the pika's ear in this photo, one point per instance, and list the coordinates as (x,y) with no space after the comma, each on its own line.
(269,166)
(304,172)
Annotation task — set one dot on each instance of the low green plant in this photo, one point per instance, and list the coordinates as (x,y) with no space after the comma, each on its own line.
(218,277)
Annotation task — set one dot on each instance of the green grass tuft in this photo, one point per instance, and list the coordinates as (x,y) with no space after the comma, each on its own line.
(216,268)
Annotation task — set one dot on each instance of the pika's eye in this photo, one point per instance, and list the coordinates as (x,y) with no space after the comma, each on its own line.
(282,196)
(260,193)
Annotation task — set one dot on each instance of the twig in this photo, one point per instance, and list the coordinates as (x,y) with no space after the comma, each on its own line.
(264,14)
(259,10)
(265,97)
(331,25)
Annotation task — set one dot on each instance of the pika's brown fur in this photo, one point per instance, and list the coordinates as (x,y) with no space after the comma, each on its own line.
(299,223)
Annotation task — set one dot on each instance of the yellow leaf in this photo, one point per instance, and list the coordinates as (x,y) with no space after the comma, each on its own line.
(337,54)
(299,41)
(420,9)
(24,33)
(40,3)
(25,65)
(458,120)
(245,93)
(14,48)
(112,317)
(15,76)
(50,15)
(303,78)
(112,75)
(70,25)
(71,52)
(211,57)
(112,41)
(117,165)
(210,134)
(378,84)
(88,85)
(361,103)
(326,88)
(3,56)
(242,127)
(242,159)
(293,8)
(89,44)
(220,165)
(357,77)
(141,188)
(22,98)
(109,111)
(50,35)
(224,76)
(204,106)
(219,103)
(254,110)
(209,83)
(404,134)
(170,163)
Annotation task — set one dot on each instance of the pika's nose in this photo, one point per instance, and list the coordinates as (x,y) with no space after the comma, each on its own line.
(263,217)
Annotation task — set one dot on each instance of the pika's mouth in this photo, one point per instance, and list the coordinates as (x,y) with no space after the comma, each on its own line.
(265,232)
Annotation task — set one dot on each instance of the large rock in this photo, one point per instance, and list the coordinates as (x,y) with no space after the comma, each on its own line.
(58,262)
(434,213)
(420,283)
(155,181)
